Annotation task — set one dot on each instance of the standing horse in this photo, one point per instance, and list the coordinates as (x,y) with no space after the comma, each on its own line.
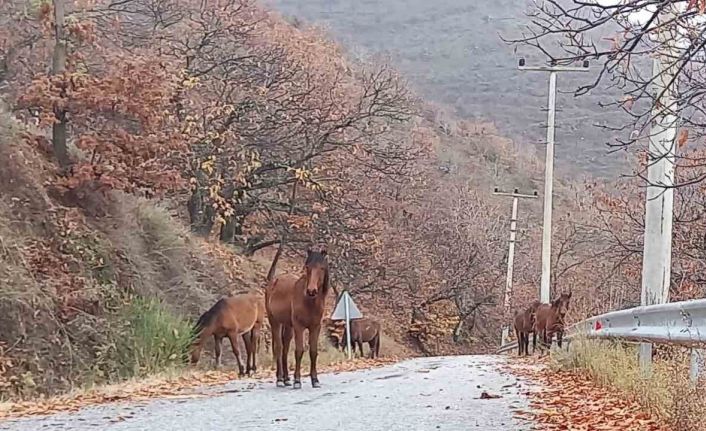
(550,320)
(293,305)
(524,324)
(364,331)
(232,317)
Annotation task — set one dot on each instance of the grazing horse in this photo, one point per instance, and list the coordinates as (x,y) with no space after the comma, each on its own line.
(524,324)
(364,331)
(293,305)
(231,317)
(550,320)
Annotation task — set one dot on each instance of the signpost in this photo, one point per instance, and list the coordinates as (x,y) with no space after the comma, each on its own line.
(346,310)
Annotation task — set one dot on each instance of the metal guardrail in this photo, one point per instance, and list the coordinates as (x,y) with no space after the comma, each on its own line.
(680,323)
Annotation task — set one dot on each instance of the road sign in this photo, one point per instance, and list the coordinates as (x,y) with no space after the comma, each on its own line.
(339,313)
(347,310)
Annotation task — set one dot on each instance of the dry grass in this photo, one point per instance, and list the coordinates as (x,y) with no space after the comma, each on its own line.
(69,278)
(667,393)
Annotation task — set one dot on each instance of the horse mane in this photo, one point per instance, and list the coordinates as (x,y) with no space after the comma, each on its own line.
(314,257)
(556,302)
(207,317)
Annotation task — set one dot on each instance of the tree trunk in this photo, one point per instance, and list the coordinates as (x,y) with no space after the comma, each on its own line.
(457,330)
(59,129)
(232,228)
(201,215)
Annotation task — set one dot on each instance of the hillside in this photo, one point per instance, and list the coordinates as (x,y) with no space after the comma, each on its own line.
(452,52)
(183,177)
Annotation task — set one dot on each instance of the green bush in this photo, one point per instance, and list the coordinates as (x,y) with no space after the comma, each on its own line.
(149,340)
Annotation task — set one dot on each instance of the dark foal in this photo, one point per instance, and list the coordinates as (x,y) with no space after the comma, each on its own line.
(364,331)
(524,325)
(550,320)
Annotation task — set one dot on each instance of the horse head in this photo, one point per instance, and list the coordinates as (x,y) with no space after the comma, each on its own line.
(316,272)
(561,304)
(532,310)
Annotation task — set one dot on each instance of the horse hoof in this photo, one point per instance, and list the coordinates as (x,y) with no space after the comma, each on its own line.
(297,385)
(280,384)
(287,383)
(315,384)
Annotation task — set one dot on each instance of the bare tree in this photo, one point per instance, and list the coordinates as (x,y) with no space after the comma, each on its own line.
(60,126)
(624,37)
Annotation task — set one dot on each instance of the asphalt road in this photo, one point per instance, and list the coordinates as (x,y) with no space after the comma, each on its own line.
(422,394)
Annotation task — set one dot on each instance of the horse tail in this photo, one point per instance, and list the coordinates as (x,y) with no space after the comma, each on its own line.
(207,318)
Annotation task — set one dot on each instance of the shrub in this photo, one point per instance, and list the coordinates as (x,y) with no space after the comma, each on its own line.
(149,339)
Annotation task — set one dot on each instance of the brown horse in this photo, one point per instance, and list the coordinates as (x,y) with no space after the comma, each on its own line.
(231,317)
(524,324)
(364,331)
(550,320)
(293,305)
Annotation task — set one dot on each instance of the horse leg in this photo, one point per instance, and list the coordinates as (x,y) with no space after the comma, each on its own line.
(277,352)
(233,337)
(298,353)
(196,350)
(548,338)
(255,337)
(360,347)
(247,341)
(286,341)
(377,345)
(217,341)
(314,352)
(559,337)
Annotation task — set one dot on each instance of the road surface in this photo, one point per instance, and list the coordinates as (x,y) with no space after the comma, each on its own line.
(422,394)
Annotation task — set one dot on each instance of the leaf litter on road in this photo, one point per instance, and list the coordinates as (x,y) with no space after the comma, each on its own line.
(184,386)
(570,400)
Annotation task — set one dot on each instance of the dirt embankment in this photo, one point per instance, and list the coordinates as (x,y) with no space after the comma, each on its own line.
(76,282)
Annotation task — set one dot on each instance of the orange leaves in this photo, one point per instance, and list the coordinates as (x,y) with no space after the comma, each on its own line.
(700,4)
(117,117)
(298,222)
(682,138)
(572,401)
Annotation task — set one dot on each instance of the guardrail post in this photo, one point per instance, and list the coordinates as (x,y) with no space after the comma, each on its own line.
(695,368)
(645,352)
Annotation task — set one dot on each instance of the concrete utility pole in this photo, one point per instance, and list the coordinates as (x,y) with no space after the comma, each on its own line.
(659,204)
(516,195)
(544,292)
